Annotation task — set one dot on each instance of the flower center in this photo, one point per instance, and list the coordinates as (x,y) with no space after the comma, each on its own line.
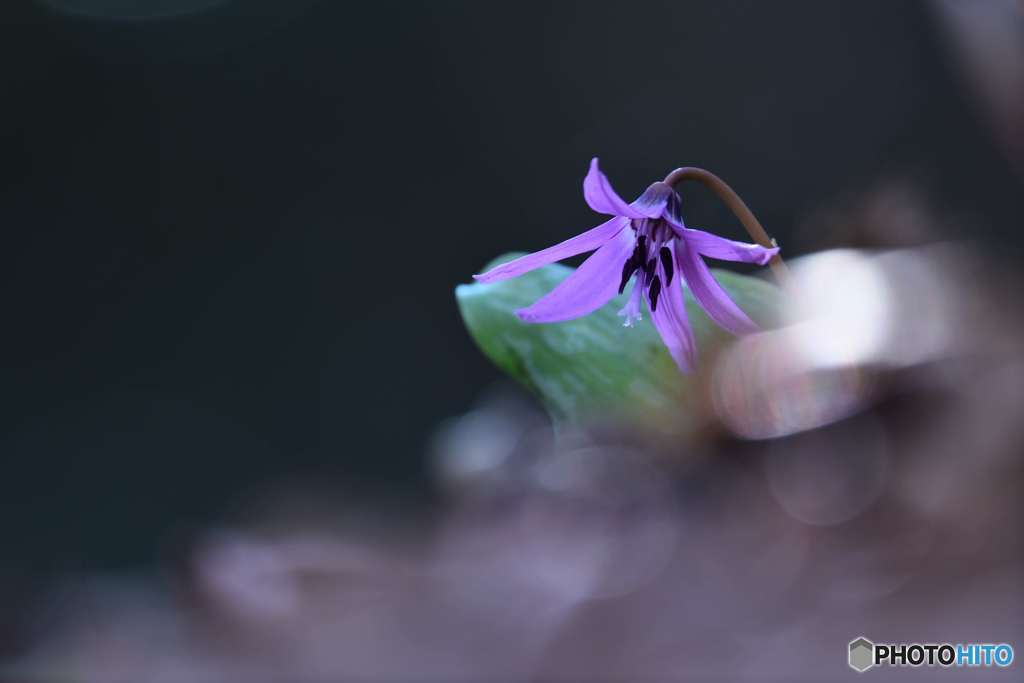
(651,263)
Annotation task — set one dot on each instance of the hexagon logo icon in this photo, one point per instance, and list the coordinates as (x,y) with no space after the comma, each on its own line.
(862,654)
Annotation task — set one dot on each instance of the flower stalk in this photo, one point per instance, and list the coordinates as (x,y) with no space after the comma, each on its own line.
(739,209)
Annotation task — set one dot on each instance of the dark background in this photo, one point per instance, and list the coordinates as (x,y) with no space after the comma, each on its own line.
(231,235)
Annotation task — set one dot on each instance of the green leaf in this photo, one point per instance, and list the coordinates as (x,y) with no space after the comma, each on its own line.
(594,366)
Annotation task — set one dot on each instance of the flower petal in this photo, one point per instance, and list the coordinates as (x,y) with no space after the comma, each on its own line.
(585,241)
(588,288)
(709,294)
(717,247)
(674,327)
(602,198)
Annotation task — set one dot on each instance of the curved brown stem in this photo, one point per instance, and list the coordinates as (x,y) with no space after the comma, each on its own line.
(739,209)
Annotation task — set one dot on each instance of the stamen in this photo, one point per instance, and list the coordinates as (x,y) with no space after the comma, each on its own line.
(666,264)
(654,292)
(649,268)
(627,271)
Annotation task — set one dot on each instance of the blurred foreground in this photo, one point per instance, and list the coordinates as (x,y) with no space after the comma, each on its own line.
(857,472)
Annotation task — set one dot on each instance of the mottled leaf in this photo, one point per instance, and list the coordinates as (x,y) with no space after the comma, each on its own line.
(594,365)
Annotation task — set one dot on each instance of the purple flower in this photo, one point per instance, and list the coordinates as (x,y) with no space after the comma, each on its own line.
(647,242)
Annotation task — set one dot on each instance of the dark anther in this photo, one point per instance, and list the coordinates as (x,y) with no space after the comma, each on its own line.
(649,268)
(640,254)
(634,258)
(627,269)
(666,263)
(654,292)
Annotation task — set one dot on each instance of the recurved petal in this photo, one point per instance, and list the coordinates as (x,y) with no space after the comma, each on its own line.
(670,320)
(709,294)
(717,247)
(586,241)
(602,198)
(588,288)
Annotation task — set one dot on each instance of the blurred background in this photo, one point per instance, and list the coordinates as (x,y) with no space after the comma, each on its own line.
(232,231)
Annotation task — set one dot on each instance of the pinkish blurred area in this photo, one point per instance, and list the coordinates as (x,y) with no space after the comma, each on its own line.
(858,472)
